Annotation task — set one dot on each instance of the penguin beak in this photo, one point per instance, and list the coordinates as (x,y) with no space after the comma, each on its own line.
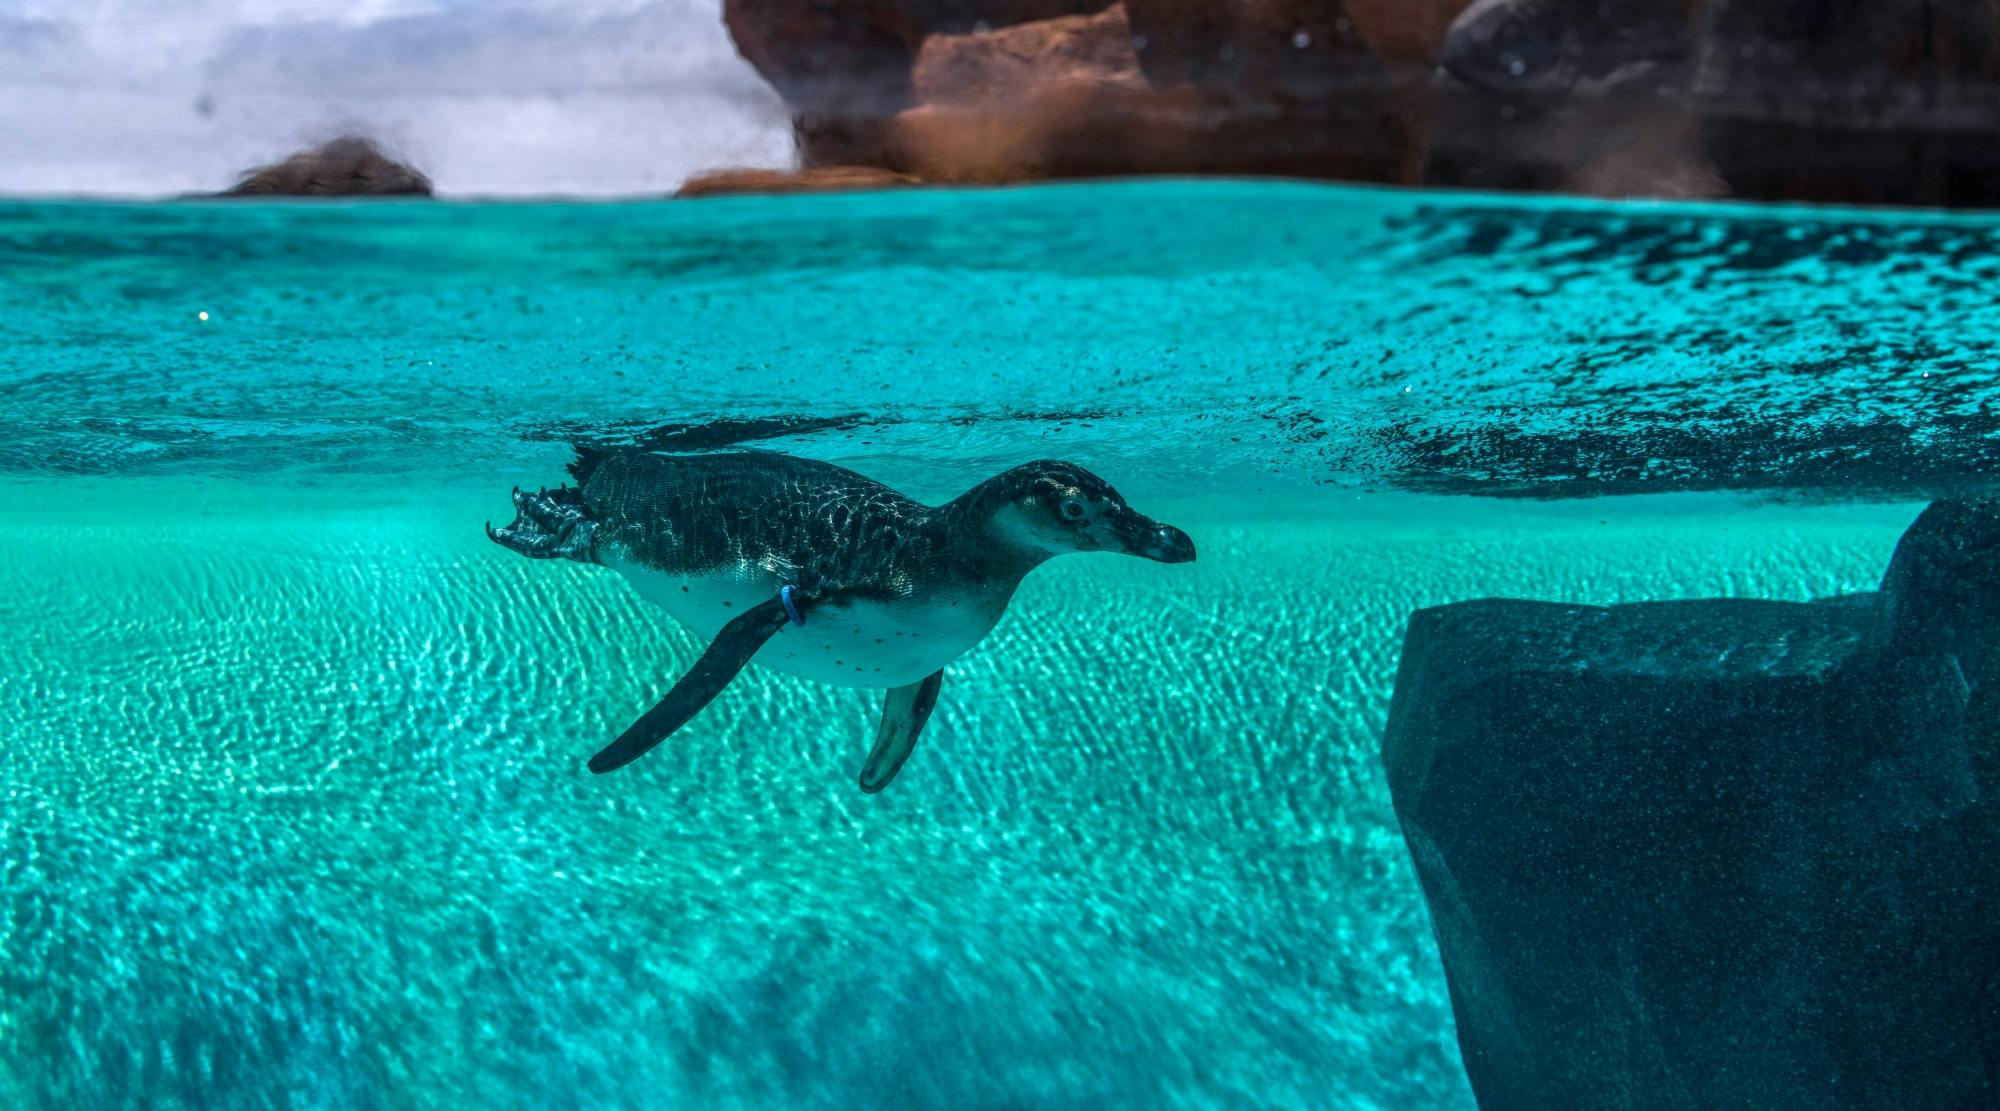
(1140,535)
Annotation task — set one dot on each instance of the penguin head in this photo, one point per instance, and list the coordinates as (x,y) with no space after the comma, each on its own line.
(1051,508)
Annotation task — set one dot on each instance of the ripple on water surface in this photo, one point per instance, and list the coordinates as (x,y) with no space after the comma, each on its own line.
(1227,331)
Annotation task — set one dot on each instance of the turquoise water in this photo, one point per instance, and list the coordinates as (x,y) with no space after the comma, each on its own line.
(293,806)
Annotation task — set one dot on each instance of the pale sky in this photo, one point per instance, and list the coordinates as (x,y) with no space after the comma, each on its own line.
(503,97)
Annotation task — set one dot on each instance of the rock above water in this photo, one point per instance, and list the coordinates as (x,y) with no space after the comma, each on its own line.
(986,90)
(1724,853)
(996,66)
(843,66)
(1060,97)
(1871,101)
(823,179)
(349,166)
(1853,101)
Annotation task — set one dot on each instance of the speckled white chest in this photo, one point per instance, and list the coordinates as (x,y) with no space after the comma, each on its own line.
(861,643)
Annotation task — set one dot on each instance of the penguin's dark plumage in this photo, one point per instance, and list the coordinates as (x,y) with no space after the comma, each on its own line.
(818,571)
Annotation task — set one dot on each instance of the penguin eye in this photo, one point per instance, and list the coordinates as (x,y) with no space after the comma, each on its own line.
(1072,509)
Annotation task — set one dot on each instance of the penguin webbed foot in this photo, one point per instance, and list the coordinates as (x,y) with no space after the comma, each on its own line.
(547,525)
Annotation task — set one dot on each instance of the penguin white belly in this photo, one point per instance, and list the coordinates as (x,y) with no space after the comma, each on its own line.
(861,643)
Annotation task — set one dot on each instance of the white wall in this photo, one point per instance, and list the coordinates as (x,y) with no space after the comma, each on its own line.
(597,97)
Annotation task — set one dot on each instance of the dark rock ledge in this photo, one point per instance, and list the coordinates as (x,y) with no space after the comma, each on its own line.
(1718,854)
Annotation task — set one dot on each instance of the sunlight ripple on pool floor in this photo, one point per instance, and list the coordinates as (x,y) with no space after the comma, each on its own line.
(296,809)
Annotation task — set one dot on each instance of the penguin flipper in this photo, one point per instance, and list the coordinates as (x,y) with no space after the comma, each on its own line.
(726,655)
(903,715)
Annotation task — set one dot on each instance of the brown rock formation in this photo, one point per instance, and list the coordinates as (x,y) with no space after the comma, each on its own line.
(1893,101)
(1052,98)
(820,179)
(1289,87)
(844,65)
(999,90)
(349,166)
(985,68)
(1405,30)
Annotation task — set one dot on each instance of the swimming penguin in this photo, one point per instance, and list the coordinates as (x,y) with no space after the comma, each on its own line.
(818,571)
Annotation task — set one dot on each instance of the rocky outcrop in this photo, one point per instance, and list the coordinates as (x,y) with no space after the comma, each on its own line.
(1619,146)
(1535,50)
(1869,101)
(996,67)
(992,90)
(1055,97)
(844,65)
(1890,101)
(349,166)
(1865,101)
(1292,87)
(1722,853)
(1572,96)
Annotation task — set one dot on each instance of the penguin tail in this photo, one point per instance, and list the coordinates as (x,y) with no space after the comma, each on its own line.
(548,524)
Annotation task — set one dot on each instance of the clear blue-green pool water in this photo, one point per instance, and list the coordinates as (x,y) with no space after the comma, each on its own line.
(293,805)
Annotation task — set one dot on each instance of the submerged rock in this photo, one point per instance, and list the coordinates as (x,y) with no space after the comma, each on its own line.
(349,166)
(1723,853)
(1940,593)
